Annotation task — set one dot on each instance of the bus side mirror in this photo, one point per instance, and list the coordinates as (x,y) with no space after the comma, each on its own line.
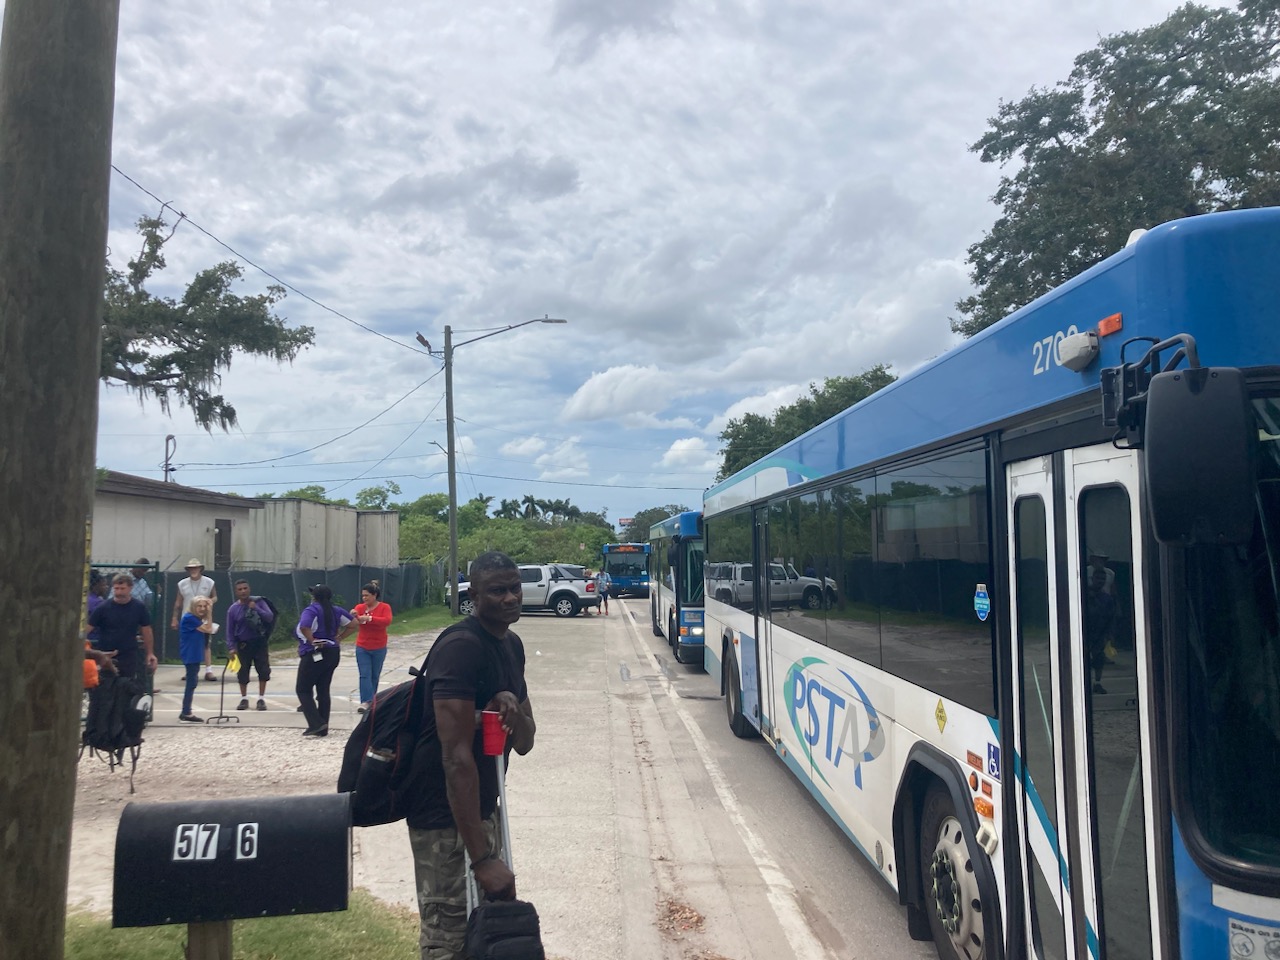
(1200,445)
(671,556)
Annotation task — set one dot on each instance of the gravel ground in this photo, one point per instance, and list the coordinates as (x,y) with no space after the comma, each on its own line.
(263,755)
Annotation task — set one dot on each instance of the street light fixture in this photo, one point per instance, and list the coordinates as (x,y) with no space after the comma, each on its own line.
(449,347)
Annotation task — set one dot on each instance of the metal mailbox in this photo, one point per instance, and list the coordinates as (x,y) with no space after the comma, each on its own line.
(216,860)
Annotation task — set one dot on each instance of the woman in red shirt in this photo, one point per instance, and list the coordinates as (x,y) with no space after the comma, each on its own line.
(374,617)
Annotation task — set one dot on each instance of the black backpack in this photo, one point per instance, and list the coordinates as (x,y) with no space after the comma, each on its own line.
(504,930)
(264,630)
(377,762)
(118,708)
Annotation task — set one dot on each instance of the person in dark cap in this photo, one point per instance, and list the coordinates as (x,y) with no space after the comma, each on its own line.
(141,589)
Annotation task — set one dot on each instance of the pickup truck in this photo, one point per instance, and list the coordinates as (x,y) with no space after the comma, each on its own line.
(546,586)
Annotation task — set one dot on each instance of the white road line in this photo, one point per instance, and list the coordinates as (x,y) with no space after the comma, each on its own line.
(780,890)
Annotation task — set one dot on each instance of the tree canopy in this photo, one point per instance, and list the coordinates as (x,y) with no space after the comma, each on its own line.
(637,531)
(178,349)
(751,436)
(1177,119)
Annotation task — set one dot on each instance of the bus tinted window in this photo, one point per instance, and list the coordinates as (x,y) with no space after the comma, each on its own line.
(853,621)
(932,555)
(729,572)
(797,536)
(1232,676)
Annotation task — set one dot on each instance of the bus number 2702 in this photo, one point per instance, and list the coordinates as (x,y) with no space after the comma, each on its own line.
(199,841)
(1045,352)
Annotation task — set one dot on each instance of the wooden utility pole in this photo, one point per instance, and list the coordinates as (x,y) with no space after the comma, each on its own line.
(57,90)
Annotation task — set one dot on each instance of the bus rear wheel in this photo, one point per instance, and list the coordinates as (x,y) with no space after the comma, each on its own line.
(952,895)
(738,723)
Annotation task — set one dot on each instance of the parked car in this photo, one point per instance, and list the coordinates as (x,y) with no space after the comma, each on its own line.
(557,587)
(734,583)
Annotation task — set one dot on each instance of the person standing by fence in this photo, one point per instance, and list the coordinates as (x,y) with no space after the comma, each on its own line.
(195,629)
(195,584)
(321,629)
(374,617)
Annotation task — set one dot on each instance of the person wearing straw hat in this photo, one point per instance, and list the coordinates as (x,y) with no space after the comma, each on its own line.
(195,585)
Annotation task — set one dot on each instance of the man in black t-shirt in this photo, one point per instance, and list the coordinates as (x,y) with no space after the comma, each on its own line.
(477,664)
(119,622)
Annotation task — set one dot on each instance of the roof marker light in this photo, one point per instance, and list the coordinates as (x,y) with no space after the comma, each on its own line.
(1110,325)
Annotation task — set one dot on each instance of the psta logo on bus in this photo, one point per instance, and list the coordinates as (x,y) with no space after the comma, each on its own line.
(838,729)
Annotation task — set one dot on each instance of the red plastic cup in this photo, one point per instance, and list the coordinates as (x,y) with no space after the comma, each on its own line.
(495,738)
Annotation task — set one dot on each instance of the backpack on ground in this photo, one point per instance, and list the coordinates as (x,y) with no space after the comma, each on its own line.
(118,708)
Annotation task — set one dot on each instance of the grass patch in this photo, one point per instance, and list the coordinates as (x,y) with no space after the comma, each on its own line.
(433,616)
(367,930)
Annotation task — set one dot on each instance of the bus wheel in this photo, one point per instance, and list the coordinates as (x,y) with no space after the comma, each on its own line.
(674,641)
(733,697)
(653,617)
(952,896)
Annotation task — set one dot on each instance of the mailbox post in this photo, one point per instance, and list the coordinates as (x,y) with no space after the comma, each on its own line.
(208,863)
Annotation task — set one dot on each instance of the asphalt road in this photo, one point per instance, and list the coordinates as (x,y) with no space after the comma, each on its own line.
(642,828)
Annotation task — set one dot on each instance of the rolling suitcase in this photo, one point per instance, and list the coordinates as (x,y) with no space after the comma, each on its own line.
(500,929)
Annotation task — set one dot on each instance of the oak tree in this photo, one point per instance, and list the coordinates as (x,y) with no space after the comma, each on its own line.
(170,349)
(1173,120)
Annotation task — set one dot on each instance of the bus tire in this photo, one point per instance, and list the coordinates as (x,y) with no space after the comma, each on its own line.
(565,605)
(953,900)
(738,723)
(674,641)
(653,617)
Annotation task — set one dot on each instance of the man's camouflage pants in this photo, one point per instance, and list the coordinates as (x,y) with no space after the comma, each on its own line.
(439,866)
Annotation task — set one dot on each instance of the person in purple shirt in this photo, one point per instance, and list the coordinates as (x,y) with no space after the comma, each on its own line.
(249,623)
(93,600)
(321,628)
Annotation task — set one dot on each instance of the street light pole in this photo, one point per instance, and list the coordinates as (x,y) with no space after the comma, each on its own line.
(453,469)
(451,452)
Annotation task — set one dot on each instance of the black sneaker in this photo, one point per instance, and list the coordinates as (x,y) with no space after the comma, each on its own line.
(262,704)
(1099,688)
(190,718)
(244,704)
(318,732)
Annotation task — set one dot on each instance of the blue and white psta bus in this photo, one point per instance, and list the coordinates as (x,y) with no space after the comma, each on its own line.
(1013,619)
(676,584)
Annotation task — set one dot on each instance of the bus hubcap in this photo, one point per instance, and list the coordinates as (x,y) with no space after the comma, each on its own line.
(956,899)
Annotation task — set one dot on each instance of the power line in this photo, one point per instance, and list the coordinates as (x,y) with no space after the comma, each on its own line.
(246,463)
(284,283)
(487,476)
(396,447)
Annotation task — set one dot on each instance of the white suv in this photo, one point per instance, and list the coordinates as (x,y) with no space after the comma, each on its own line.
(546,586)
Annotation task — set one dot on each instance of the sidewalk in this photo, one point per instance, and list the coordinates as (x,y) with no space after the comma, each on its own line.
(223,695)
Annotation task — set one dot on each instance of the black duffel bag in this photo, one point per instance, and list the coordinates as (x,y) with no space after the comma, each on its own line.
(504,930)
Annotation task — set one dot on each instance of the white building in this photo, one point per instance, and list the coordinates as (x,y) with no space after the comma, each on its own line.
(170,523)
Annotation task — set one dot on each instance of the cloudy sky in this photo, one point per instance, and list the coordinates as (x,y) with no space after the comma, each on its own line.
(726,200)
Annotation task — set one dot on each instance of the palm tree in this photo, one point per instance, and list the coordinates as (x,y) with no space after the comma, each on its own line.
(532,506)
(508,510)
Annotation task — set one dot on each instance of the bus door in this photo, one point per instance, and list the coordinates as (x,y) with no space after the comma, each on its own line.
(1083,763)
(770,709)
(1038,690)
(1112,753)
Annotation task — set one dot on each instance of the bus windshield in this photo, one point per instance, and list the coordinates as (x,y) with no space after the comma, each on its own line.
(1232,676)
(691,581)
(626,565)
